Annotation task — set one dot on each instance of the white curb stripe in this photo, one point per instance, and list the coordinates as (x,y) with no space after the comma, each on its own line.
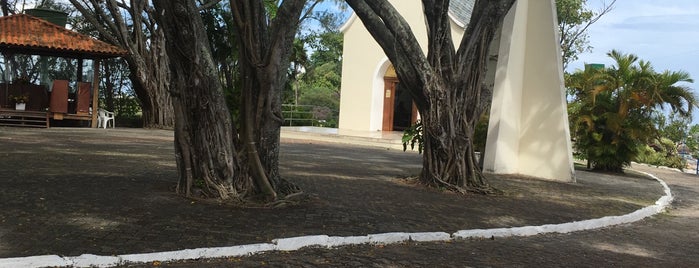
(294,243)
(34,261)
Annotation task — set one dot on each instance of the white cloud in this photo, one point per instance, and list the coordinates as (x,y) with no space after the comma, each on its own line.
(666,33)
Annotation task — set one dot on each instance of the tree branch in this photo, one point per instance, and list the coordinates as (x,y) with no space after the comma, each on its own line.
(309,10)
(97,21)
(208,5)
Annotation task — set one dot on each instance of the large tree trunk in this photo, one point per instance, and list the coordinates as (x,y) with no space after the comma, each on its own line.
(448,85)
(205,138)
(147,60)
(150,78)
(459,98)
(207,159)
(449,158)
(265,47)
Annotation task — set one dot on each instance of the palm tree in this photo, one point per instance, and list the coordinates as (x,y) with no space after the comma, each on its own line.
(666,89)
(612,108)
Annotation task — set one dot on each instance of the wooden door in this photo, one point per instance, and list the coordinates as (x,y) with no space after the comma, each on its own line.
(83,98)
(59,97)
(389,95)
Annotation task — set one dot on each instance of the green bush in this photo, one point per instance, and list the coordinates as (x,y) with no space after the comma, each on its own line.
(413,136)
(648,155)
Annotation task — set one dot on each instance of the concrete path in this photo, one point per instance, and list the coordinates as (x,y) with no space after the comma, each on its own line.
(380,139)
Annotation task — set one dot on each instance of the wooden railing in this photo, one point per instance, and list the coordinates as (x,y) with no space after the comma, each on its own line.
(18,118)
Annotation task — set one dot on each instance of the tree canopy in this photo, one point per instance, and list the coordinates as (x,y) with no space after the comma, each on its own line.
(574,18)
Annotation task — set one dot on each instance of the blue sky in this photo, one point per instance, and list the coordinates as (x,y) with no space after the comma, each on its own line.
(664,32)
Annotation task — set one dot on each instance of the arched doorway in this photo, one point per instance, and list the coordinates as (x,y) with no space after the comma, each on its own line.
(399,111)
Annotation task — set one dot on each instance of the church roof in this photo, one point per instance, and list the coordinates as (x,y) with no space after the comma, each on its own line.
(26,34)
(460,10)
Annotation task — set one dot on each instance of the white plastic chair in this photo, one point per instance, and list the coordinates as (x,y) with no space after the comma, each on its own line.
(103,117)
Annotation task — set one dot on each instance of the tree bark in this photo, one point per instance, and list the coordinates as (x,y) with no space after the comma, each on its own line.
(207,158)
(448,85)
(205,138)
(265,47)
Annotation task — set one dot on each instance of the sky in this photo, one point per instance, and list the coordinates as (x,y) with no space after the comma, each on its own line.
(663,32)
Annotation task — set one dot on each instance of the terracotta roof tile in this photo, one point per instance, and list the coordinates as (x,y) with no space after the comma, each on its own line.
(23,33)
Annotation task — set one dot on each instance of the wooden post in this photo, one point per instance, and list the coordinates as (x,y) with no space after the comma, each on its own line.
(6,78)
(95,91)
(79,74)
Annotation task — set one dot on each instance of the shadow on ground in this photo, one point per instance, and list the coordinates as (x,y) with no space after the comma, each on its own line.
(76,191)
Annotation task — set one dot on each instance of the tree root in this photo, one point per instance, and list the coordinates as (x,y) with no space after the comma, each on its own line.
(441,184)
(286,187)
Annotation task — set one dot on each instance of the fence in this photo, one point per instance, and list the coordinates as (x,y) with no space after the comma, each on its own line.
(308,115)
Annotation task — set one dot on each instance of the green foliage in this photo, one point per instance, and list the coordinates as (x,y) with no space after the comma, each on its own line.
(673,127)
(677,129)
(315,78)
(480,133)
(271,7)
(612,111)
(309,115)
(573,12)
(662,153)
(574,18)
(413,136)
(693,140)
(127,110)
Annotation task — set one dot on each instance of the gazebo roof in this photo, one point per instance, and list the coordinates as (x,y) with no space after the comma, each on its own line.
(25,34)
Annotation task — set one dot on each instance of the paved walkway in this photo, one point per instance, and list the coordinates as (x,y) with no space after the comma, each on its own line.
(667,240)
(76,191)
(381,139)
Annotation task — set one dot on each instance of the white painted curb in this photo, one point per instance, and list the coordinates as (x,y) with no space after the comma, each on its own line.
(294,243)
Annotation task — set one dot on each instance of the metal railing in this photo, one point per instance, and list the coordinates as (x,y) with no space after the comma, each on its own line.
(301,115)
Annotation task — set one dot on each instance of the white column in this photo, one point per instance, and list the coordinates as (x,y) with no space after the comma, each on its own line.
(528,132)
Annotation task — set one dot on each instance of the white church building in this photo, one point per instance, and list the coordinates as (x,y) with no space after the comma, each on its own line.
(528,130)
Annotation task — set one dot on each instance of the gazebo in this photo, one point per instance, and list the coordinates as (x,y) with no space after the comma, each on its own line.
(27,35)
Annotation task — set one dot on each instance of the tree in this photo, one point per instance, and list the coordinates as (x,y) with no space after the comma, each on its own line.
(214,159)
(265,47)
(319,84)
(448,86)
(133,27)
(218,20)
(674,127)
(613,108)
(7,7)
(204,146)
(693,140)
(574,18)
